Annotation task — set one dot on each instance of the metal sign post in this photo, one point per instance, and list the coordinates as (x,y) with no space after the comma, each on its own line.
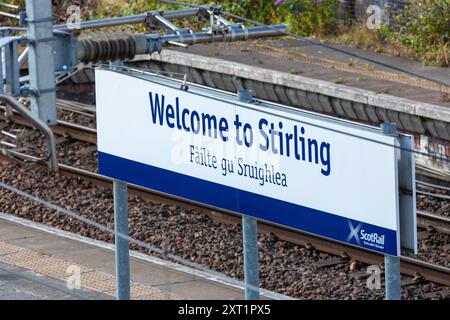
(121,230)
(393,290)
(391,263)
(250,238)
(41,60)
(251,265)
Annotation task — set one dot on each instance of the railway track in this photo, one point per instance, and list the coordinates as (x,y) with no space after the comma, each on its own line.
(409,266)
(63,128)
(433,190)
(425,219)
(89,135)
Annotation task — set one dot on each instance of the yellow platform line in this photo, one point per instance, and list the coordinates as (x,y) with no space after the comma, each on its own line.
(60,269)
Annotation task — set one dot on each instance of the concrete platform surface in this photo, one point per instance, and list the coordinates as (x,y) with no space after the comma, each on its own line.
(38,262)
(21,284)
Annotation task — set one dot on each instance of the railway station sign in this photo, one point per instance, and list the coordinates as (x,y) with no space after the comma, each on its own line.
(304,171)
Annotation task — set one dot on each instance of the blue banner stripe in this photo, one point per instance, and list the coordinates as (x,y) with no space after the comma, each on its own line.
(272,210)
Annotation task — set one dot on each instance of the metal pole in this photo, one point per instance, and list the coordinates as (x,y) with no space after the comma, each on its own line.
(251,267)
(250,236)
(41,60)
(121,240)
(237,35)
(116,65)
(121,230)
(393,290)
(134,19)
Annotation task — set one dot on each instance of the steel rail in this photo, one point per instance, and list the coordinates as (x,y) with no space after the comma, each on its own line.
(432,173)
(439,223)
(63,128)
(39,124)
(433,186)
(76,131)
(434,195)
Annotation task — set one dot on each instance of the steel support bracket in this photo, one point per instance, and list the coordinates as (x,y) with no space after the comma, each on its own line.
(213,14)
(22,18)
(155,43)
(36,93)
(206,9)
(155,19)
(46,19)
(20,40)
(25,40)
(64,48)
(34,41)
(150,20)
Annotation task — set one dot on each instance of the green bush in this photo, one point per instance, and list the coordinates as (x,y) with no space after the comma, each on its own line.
(309,17)
(422,30)
(425,26)
(264,11)
(425,22)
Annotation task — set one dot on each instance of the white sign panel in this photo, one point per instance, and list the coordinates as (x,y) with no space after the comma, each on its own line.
(295,169)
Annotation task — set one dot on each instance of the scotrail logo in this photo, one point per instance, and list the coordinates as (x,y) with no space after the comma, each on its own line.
(354,232)
(372,239)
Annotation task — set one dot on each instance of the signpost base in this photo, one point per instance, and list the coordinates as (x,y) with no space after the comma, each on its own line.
(392,277)
(251,267)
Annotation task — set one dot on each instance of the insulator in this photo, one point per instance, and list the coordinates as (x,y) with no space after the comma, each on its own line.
(108,46)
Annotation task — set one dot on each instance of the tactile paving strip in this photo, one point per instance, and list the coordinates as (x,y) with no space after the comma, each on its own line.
(140,292)
(58,269)
(6,248)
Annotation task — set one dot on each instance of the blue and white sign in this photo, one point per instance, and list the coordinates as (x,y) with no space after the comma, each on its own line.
(297,169)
